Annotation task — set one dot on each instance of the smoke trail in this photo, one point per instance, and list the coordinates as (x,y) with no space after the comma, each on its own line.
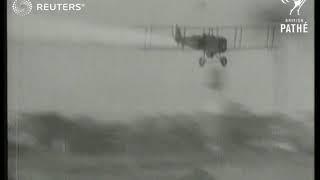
(58,30)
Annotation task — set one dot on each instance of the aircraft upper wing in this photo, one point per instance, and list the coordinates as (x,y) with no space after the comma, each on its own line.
(239,37)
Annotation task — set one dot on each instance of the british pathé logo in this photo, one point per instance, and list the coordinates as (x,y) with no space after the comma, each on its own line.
(294,25)
(297,4)
(22,7)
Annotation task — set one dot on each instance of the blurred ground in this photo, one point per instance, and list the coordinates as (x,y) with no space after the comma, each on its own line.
(161,147)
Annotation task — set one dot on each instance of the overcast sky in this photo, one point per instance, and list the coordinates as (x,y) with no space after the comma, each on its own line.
(63,62)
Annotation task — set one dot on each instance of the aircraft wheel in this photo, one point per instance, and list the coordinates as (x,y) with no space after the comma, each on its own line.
(223,61)
(202,61)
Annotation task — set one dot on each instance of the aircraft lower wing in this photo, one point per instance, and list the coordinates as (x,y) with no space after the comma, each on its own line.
(166,49)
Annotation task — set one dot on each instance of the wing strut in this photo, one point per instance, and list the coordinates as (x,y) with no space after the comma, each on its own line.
(184,37)
(273,34)
(150,36)
(268,34)
(240,37)
(235,37)
(145,37)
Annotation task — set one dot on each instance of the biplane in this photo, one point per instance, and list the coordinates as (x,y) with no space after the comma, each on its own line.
(212,42)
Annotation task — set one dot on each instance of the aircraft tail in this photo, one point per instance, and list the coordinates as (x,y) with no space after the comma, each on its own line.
(176,33)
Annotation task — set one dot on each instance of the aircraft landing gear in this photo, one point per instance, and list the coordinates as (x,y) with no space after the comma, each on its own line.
(223,61)
(202,61)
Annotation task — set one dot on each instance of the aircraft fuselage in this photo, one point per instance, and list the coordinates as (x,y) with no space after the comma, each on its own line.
(209,44)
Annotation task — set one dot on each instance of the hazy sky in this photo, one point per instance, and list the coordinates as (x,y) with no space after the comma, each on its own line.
(63,62)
